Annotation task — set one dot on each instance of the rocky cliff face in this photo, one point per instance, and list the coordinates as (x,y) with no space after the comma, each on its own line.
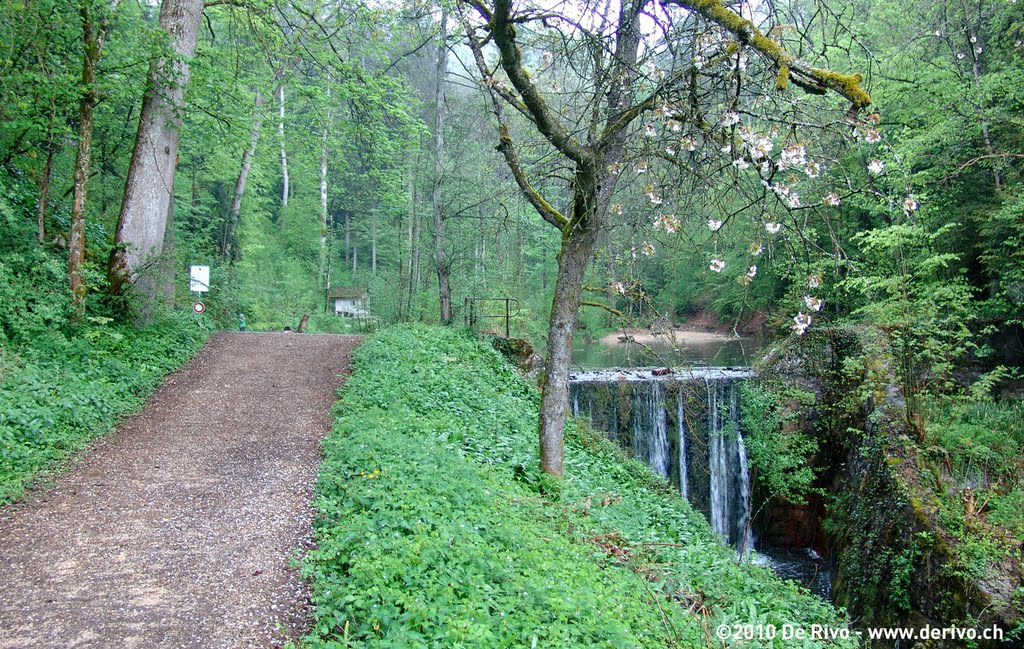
(895,564)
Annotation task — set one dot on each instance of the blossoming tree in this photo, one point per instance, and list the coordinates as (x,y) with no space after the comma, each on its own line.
(688,85)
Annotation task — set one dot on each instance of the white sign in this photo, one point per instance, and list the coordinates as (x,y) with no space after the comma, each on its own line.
(199,280)
(199,307)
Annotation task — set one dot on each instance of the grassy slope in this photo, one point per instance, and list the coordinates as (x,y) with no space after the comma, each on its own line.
(435,529)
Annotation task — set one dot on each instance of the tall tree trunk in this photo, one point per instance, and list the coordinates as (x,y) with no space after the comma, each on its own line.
(323,191)
(440,253)
(228,244)
(579,239)
(93,34)
(142,223)
(284,155)
(167,274)
(373,243)
(348,234)
(44,191)
(407,269)
(355,260)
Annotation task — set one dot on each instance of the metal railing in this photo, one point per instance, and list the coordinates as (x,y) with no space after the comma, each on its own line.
(474,311)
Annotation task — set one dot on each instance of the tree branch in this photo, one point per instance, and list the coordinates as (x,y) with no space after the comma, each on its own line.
(503,32)
(598,305)
(812,79)
(507,148)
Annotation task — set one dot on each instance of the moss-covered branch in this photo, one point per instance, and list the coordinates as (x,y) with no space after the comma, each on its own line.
(599,305)
(506,146)
(812,79)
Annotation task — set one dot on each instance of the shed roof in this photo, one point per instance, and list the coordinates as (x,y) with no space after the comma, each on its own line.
(346,292)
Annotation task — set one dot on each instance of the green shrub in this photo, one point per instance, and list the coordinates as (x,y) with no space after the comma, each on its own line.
(436,529)
(60,390)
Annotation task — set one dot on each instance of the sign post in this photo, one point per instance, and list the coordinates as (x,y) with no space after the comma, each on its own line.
(199,282)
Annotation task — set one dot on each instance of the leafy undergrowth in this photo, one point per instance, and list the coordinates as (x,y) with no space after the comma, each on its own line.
(435,528)
(59,391)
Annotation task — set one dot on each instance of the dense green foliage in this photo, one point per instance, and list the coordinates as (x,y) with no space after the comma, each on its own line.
(436,527)
(63,382)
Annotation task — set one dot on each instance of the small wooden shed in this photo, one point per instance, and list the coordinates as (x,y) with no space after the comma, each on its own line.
(348,301)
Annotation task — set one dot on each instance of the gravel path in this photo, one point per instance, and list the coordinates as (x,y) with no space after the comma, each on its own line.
(177,530)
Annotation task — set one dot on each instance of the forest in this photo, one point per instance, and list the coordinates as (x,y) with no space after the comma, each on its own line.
(840,180)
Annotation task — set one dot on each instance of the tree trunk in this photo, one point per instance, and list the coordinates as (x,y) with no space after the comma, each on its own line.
(578,242)
(142,223)
(373,243)
(440,253)
(284,157)
(44,191)
(323,192)
(348,234)
(92,36)
(167,278)
(228,245)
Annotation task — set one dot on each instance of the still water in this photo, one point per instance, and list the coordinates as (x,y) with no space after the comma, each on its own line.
(729,352)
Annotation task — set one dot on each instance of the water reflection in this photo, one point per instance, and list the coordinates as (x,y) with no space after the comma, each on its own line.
(701,350)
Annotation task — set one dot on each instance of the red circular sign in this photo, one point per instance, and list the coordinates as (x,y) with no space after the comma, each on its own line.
(199,307)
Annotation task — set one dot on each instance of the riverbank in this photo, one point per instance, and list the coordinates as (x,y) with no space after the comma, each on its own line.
(674,337)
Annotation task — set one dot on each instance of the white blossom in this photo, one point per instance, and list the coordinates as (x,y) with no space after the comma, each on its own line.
(909,204)
(793,200)
(794,155)
(814,281)
(717,265)
(619,287)
(729,118)
(641,167)
(756,249)
(813,169)
(675,125)
(741,164)
(650,131)
(802,323)
(751,272)
(833,200)
(667,222)
(876,167)
(714,225)
(688,143)
(647,248)
(813,303)
(773,228)
(872,136)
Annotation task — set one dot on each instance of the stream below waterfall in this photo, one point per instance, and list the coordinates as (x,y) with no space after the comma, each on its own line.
(685,425)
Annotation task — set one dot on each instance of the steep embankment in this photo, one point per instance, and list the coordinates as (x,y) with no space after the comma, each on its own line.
(435,527)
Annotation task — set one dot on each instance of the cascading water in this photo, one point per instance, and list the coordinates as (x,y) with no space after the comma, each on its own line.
(706,457)
(681,426)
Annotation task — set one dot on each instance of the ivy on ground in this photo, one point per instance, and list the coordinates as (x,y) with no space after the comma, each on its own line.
(435,528)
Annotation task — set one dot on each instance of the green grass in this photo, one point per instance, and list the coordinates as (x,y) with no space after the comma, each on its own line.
(58,391)
(436,529)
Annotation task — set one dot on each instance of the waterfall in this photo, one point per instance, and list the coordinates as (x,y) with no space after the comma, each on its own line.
(706,456)
(718,464)
(681,423)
